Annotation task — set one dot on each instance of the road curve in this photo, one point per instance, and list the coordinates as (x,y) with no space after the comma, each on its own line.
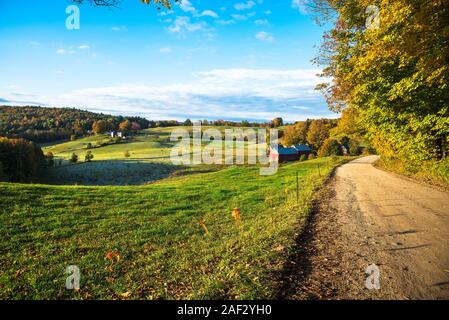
(369,216)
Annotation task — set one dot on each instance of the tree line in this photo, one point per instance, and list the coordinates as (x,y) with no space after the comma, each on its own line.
(393,74)
(328,137)
(52,124)
(20,160)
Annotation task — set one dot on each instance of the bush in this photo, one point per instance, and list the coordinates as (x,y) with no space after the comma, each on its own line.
(127,154)
(354,148)
(303,158)
(73,137)
(311,156)
(89,156)
(74,158)
(330,147)
(89,146)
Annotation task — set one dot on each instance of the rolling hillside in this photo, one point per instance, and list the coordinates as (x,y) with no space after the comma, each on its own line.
(150,242)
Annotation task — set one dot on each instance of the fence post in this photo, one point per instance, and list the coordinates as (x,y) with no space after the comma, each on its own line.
(297,189)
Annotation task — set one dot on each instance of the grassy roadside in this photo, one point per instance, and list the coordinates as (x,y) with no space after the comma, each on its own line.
(432,172)
(164,250)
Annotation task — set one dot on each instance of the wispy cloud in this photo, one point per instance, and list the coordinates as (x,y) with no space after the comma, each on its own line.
(72,49)
(264,36)
(119,28)
(183,24)
(225,22)
(243,17)
(63,51)
(244,5)
(300,5)
(165,50)
(258,94)
(208,13)
(187,6)
(261,22)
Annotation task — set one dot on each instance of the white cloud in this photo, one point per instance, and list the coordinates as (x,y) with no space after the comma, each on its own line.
(264,36)
(165,13)
(261,22)
(243,17)
(165,50)
(208,13)
(186,6)
(268,12)
(183,24)
(119,28)
(244,5)
(63,51)
(226,93)
(300,5)
(226,22)
(84,47)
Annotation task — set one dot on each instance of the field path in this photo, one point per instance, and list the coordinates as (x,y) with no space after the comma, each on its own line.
(368,216)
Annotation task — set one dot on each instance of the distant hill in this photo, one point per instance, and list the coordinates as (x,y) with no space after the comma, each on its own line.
(51,124)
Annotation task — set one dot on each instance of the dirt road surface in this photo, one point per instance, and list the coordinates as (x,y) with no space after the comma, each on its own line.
(368,216)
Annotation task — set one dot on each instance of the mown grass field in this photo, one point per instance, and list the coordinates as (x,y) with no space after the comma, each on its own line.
(148,161)
(164,251)
(150,144)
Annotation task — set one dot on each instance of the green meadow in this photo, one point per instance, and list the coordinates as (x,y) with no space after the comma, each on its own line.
(173,238)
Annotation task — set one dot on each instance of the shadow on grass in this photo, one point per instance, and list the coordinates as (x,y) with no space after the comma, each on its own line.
(110,173)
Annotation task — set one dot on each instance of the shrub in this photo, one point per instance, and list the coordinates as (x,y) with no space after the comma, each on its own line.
(303,158)
(127,154)
(330,147)
(72,137)
(354,148)
(89,156)
(89,146)
(74,158)
(311,156)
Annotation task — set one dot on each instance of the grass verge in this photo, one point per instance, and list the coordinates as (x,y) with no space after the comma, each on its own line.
(432,172)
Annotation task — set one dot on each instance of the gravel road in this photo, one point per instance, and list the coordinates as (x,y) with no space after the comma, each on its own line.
(368,216)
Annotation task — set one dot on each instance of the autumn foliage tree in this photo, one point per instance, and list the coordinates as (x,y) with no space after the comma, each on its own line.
(296,133)
(277,122)
(21,160)
(318,132)
(102,126)
(394,72)
(125,126)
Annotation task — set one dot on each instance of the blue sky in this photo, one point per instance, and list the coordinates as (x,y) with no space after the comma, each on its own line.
(205,59)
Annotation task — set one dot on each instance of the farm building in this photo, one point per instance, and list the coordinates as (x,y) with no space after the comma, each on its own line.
(283,154)
(115,134)
(303,149)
